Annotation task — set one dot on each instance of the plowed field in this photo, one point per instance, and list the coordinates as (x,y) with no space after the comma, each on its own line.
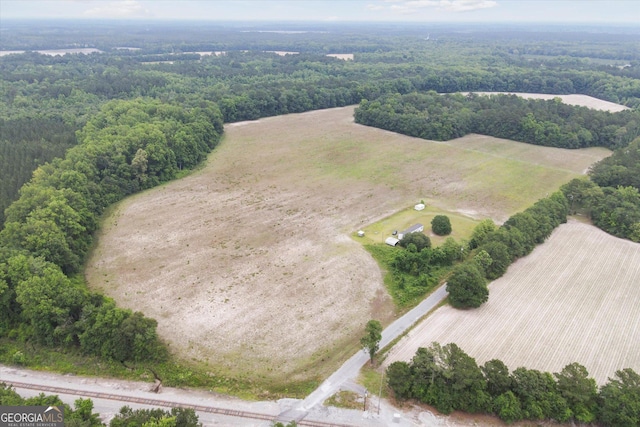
(576,298)
(247,264)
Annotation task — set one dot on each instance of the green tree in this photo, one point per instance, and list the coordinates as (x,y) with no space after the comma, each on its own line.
(452,250)
(83,415)
(467,287)
(371,339)
(619,400)
(480,233)
(577,192)
(497,375)
(51,304)
(579,391)
(539,396)
(500,259)
(400,379)
(177,417)
(483,260)
(441,225)
(420,241)
(447,378)
(507,407)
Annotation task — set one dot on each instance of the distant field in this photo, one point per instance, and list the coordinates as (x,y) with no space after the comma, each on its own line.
(574,299)
(248,264)
(579,100)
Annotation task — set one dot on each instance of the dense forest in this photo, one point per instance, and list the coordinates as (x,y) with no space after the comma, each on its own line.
(550,123)
(612,200)
(79,132)
(449,379)
(45,99)
(127,147)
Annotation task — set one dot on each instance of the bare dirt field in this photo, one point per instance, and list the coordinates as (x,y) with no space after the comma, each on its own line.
(574,299)
(343,56)
(247,264)
(579,100)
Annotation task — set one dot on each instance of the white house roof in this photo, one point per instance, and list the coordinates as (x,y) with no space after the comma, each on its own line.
(413,229)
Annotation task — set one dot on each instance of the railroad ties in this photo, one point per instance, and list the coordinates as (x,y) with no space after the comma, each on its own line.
(168,404)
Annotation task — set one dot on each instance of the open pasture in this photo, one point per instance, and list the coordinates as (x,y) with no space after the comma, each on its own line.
(574,299)
(462,225)
(248,265)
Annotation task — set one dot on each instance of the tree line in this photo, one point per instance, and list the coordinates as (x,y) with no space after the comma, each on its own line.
(611,198)
(127,147)
(494,249)
(82,415)
(44,100)
(467,266)
(450,380)
(541,122)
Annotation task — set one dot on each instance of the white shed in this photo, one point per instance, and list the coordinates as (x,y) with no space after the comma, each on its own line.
(391,241)
(419,207)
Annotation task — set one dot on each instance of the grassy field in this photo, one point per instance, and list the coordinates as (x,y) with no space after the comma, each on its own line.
(461,225)
(248,264)
(574,299)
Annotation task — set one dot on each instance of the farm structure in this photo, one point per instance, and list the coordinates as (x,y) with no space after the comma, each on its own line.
(574,299)
(249,300)
(391,241)
(416,228)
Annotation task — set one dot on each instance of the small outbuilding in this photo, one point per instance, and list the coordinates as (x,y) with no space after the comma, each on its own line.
(360,233)
(419,207)
(391,241)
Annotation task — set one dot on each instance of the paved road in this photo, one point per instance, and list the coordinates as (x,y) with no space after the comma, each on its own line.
(109,394)
(350,369)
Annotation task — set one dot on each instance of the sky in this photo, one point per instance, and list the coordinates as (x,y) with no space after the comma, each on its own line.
(551,11)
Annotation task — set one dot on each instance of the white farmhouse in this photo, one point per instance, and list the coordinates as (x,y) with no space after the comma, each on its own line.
(416,228)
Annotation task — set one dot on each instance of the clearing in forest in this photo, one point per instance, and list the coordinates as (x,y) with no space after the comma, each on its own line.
(574,99)
(248,264)
(574,299)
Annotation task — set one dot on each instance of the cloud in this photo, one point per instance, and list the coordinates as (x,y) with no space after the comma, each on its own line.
(375,7)
(119,9)
(412,6)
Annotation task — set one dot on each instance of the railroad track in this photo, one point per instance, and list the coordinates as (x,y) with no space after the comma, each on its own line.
(169,404)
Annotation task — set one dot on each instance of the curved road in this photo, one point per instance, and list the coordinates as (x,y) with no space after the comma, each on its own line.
(106,393)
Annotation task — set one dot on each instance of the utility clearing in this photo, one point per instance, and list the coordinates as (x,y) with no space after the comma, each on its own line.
(248,265)
(574,299)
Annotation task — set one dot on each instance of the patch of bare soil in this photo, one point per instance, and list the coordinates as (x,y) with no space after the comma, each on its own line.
(248,265)
(574,99)
(343,56)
